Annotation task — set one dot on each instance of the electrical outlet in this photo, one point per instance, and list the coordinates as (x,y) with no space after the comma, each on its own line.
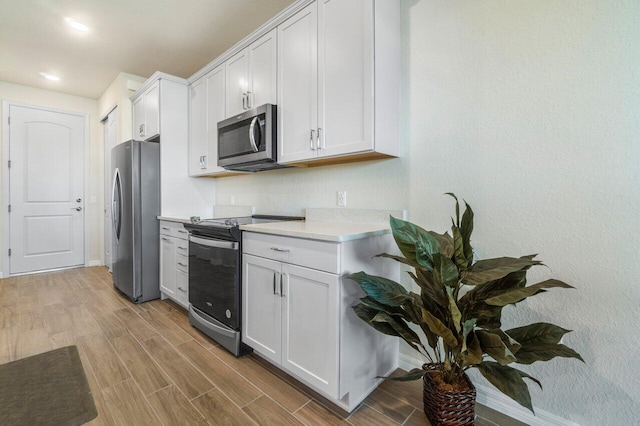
(342,198)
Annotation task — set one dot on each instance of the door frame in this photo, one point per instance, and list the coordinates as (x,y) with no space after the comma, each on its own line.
(6,240)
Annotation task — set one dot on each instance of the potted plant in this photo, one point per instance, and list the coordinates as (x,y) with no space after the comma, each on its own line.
(459,312)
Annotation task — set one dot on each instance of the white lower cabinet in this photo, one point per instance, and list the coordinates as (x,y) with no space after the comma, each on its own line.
(300,318)
(174,262)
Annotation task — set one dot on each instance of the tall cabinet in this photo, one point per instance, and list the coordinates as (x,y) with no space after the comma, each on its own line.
(162,103)
(338,80)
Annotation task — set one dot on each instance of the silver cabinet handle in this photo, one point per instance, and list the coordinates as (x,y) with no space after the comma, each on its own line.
(183,232)
(249,103)
(182,264)
(78,209)
(182,248)
(280,250)
(311,140)
(274,283)
(181,289)
(252,138)
(319,137)
(281,286)
(244,100)
(165,239)
(166,229)
(204,161)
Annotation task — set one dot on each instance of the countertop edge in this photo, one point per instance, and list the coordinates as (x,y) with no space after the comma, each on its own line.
(174,219)
(315,236)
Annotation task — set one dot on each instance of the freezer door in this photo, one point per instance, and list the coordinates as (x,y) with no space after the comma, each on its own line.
(123,258)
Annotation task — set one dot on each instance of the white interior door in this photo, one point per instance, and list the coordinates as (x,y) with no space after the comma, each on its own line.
(110,138)
(46,189)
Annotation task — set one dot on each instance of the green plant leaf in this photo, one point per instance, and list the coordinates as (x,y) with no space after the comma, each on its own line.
(473,354)
(444,270)
(381,289)
(367,313)
(399,326)
(533,352)
(540,332)
(436,326)
(456,316)
(458,248)
(415,374)
(514,296)
(399,259)
(484,271)
(457,207)
(493,345)
(446,242)
(513,345)
(416,244)
(466,228)
(509,381)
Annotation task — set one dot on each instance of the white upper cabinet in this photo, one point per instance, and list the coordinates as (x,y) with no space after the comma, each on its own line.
(297,85)
(206,108)
(197,125)
(146,114)
(251,75)
(338,81)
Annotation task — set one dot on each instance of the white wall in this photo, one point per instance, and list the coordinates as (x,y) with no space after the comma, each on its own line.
(528,110)
(47,98)
(116,94)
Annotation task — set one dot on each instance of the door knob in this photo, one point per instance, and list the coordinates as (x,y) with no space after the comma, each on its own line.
(78,209)
(79,200)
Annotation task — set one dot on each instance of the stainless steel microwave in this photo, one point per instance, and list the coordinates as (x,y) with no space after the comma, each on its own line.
(247,142)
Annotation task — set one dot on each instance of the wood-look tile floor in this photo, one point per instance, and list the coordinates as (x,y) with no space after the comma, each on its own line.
(147,365)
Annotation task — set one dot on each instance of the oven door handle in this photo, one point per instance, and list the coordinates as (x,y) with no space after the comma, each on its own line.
(214,243)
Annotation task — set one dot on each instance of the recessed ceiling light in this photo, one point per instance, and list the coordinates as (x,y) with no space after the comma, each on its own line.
(50,76)
(79,26)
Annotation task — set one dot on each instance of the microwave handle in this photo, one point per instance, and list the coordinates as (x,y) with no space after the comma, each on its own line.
(252,138)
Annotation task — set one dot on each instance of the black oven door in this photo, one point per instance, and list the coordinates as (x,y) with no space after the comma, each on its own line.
(214,279)
(247,137)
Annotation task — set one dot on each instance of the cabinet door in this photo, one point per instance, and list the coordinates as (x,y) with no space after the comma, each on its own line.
(152,111)
(237,82)
(261,312)
(197,126)
(168,266)
(262,70)
(138,118)
(345,76)
(216,109)
(297,85)
(310,344)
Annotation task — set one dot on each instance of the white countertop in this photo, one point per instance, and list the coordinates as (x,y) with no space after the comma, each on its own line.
(175,219)
(320,230)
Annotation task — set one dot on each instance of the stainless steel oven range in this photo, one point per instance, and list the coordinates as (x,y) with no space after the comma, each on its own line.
(215,277)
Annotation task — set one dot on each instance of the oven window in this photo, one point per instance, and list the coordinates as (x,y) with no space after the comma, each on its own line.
(214,285)
(234,140)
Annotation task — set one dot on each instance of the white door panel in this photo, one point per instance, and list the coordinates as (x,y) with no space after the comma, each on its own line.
(46,191)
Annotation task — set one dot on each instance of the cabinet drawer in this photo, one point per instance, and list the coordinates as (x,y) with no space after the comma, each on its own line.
(182,288)
(173,229)
(320,255)
(182,247)
(182,262)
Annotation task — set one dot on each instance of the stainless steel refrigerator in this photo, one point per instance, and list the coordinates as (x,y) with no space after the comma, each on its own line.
(135,209)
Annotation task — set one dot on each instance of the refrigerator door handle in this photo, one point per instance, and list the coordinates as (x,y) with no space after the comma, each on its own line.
(116,205)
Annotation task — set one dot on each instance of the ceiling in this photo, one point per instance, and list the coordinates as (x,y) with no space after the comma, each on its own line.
(135,36)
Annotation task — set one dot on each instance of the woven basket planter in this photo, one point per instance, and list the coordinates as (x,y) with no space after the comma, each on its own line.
(449,408)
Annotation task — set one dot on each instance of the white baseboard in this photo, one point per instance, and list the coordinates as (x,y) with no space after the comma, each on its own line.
(498,401)
(95,263)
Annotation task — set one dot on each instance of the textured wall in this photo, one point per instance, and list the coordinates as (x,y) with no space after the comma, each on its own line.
(528,110)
